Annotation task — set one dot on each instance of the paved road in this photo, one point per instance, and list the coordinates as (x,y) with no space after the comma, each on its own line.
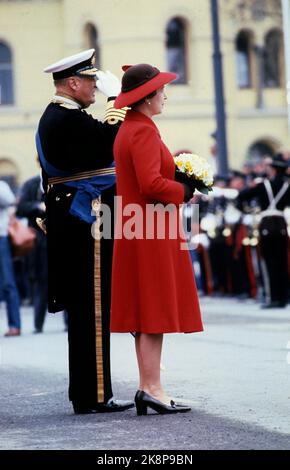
(235,375)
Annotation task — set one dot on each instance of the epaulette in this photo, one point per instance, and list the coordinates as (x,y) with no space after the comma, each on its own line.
(113,115)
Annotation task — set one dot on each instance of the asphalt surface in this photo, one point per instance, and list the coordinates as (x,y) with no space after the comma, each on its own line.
(235,375)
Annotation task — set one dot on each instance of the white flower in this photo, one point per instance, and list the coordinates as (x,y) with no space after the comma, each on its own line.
(196,167)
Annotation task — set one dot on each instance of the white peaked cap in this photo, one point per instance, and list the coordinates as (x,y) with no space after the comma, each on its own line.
(77,64)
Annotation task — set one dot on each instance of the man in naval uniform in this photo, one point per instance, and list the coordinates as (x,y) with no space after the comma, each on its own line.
(272,196)
(76,155)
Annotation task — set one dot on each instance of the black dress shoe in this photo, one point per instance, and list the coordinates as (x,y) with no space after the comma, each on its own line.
(275,304)
(82,409)
(37,330)
(144,401)
(114,405)
(111,406)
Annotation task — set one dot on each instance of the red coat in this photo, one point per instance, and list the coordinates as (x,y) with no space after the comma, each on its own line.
(153,287)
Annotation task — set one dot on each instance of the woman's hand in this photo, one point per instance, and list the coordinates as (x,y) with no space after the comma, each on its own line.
(188,183)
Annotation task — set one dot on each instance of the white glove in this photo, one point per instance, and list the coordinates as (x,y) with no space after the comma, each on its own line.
(108,83)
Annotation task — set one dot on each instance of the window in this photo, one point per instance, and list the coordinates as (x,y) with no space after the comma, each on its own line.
(91,42)
(176,49)
(260,150)
(243,59)
(273,59)
(259,9)
(6,79)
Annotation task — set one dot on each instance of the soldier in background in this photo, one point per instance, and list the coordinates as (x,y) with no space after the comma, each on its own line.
(219,248)
(242,243)
(8,286)
(273,196)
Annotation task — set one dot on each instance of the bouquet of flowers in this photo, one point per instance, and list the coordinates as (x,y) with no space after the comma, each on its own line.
(195,171)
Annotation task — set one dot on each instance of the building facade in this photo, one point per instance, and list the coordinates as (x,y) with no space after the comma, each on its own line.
(171,34)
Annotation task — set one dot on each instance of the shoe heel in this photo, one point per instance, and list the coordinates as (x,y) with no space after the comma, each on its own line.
(141,409)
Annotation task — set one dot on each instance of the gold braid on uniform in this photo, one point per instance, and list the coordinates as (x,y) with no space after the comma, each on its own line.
(96,207)
(113,115)
(89,72)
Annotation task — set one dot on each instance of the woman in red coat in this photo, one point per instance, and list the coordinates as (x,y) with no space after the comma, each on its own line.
(153,287)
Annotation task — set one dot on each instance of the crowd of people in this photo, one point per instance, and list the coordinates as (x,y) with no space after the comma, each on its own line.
(23,277)
(243,247)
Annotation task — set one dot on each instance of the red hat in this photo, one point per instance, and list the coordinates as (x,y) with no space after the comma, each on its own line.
(139,81)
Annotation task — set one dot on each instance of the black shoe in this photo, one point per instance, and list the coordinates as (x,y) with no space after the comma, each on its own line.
(274,305)
(111,406)
(143,401)
(114,405)
(82,409)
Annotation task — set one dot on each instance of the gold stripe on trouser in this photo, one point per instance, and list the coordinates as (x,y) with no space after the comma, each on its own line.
(98,314)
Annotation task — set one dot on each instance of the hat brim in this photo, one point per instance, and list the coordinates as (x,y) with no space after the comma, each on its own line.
(275,163)
(283,165)
(132,96)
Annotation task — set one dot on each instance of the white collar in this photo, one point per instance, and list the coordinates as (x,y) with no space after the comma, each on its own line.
(69,101)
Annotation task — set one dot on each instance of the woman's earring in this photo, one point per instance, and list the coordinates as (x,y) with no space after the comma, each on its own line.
(149,102)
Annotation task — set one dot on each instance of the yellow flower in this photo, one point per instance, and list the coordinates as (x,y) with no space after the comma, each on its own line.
(195,167)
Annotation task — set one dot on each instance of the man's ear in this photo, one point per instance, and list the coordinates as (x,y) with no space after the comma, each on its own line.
(73,83)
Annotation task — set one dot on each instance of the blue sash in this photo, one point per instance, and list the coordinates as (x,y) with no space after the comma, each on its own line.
(88,189)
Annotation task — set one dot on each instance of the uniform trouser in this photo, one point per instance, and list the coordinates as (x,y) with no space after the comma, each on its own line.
(40,304)
(79,280)
(274,251)
(88,312)
(219,254)
(40,294)
(8,285)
